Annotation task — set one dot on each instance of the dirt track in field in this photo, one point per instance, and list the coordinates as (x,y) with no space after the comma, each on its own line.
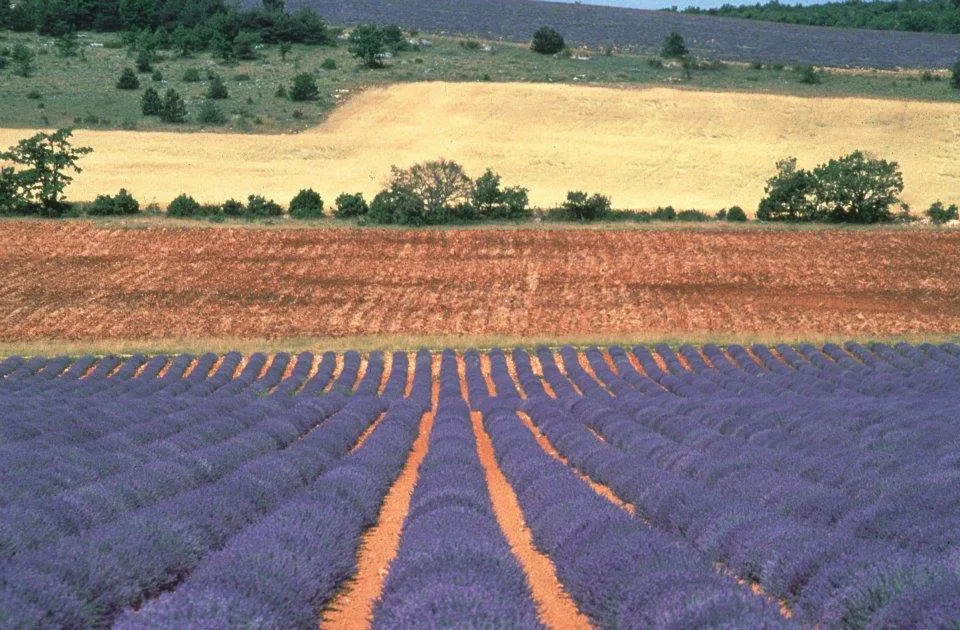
(643,147)
(74,281)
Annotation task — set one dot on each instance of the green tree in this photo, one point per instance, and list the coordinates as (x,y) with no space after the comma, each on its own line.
(174,109)
(857,189)
(151,103)
(217,90)
(47,159)
(285,48)
(401,206)
(67,44)
(440,184)
(955,76)
(789,195)
(493,202)
(258,206)
(128,80)
(274,6)
(394,39)
(366,44)
(119,204)
(674,47)
(580,207)
(304,88)
(23,59)
(183,206)
(244,46)
(145,61)
(736,215)
(547,41)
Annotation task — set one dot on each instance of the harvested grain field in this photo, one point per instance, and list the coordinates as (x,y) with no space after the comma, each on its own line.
(75,281)
(643,147)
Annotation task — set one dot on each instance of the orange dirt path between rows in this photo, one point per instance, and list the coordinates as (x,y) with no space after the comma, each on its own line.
(74,281)
(352,608)
(554,605)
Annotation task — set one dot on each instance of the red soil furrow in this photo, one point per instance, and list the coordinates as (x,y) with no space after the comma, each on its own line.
(635,362)
(411,371)
(683,362)
(609,361)
(705,358)
(94,365)
(266,366)
(139,371)
(366,432)
(545,444)
(659,361)
(776,354)
(563,370)
(555,607)
(485,368)
(753,357)
(217,364)
(314,367)
(537,369)
(337,370)
(352,607)
(585,364)
(462,376)
(512,371)
(166,367)
(241,366)
(387,368)
(361,372)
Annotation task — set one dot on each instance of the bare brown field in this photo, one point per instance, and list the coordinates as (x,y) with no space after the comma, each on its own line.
(77,284)
(643,147)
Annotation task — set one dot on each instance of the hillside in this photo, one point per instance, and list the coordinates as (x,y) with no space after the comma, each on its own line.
(725,38)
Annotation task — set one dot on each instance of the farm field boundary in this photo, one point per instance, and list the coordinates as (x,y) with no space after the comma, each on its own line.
(642,147)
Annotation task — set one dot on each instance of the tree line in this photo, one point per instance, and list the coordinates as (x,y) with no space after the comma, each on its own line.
(925,16)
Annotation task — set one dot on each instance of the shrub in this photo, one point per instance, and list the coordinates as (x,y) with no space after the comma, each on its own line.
(492,202)
(736,215)
(350,206)
(192,75)
(12,199)
(440,184)
(580,207)
(304,88)
(547,41)
(285,49)
(157,76)
(306,205)
(34,95)
(469,44)
(393,38)
(183,206)
(281,91)
(121,204)
(145,61)
(128,80)
(258,206)
(210,114)
(398,205)
(940,214)
(150,103)
(366,44)
(174,110)
(233,208)
(328,64)
(674,47)
(721,215)
(808,75)
(217,90)
(694,216)
(23,59)
(655,63)
(955,76)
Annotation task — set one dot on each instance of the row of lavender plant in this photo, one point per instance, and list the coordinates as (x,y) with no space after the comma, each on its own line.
(453,567)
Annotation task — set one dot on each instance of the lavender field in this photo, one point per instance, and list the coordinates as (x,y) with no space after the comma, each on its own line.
(724,38)
(723,487)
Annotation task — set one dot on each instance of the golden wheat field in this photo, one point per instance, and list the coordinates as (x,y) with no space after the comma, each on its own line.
(642,147)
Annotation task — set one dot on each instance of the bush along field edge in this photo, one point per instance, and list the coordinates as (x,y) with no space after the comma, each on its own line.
(851,189)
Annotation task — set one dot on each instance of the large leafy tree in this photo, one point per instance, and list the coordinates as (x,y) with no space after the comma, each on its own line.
(46,160)
(857,189)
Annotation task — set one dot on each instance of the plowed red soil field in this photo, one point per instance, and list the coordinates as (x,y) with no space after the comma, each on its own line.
(77,281)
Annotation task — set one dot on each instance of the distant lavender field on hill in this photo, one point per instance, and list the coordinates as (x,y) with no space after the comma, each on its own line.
(725,38)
